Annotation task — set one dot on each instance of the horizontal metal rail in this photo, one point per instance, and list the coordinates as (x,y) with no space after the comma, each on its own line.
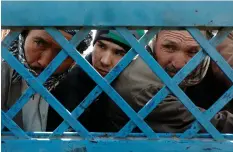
(118,13)
(149,15)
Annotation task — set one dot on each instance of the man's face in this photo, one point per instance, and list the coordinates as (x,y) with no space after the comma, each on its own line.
(106,55)
(226,50)
(173,49)
(40,50)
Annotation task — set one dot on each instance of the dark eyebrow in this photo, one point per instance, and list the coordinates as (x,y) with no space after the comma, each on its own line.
(169,42)
(101,43)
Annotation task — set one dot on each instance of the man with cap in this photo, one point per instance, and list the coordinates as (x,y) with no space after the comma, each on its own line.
(137,84)
(109,48)
(35,49)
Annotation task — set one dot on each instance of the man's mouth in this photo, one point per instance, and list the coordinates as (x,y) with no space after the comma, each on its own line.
(171,71)
(171,74)
(102,72)
(38,70)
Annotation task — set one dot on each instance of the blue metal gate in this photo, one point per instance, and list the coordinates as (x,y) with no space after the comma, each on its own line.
(119,15)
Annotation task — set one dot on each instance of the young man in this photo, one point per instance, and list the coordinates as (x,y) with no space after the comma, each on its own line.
(35,49)
(137,84)
(109,48)
(207,92)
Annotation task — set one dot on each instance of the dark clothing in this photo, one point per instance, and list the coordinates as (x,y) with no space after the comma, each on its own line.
(137,84)
(70,92)
(208,91)
(10,92)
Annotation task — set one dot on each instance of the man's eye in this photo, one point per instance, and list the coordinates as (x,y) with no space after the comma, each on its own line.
(120,52)
(39,43)
(101,46)
(169,48)
(192,52)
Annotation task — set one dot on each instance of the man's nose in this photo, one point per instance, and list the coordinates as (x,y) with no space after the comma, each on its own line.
(106,59)
(45,58)
(179,60)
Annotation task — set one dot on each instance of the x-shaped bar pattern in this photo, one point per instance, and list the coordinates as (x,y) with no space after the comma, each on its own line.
(222,66)
(158,70)
(212,52)
(37,86)
(227,96)
(102,83)
(109,77)
(12,126)
(216,107)
(159,97)
(76,39)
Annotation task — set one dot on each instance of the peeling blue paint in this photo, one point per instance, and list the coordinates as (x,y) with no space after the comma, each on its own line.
(115,14)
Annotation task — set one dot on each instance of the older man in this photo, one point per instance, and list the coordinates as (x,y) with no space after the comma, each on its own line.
(35,49)
(138,84)
(215,83)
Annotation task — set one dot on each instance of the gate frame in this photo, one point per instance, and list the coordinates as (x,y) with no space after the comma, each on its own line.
(118,14)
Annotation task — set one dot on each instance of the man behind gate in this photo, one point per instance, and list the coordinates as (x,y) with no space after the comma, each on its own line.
(215,82)
(137,84)
(108,48)
(35,49)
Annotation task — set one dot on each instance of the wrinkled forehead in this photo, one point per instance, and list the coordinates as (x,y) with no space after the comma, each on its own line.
(176,36)
(42,34)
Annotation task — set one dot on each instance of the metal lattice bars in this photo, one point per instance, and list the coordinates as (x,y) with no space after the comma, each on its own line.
(84,68)
(148,137)
(193,63)
(44,75)
(110,77)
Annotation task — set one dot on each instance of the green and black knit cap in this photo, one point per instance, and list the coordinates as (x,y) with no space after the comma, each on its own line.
(115,37)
